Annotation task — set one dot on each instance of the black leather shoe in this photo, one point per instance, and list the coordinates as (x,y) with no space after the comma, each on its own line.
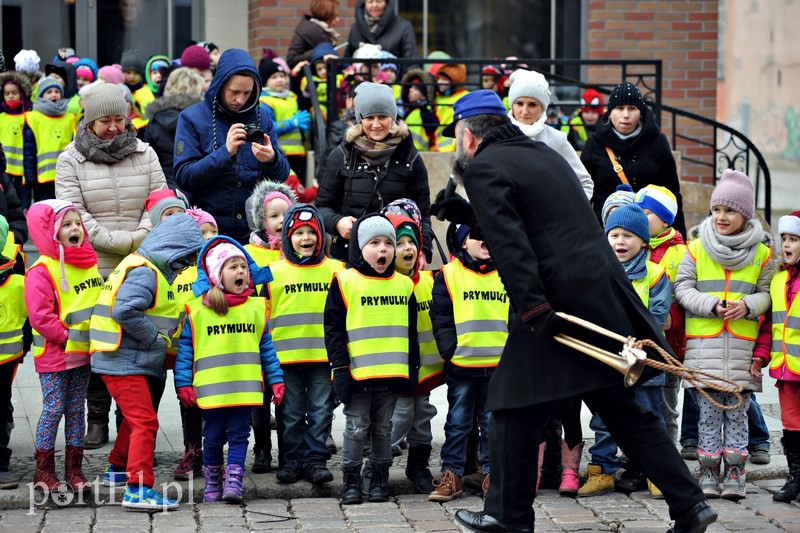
(484,523)
(697,519)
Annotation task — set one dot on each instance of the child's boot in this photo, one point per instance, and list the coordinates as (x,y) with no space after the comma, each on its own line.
(212,492)
(73,470)
(733,486)
(234,484)
(791,447)
(379,486)
(598,482)
(570,463)
(417,468)
(351,491)
(45,478)
(709,473)
(190,465)
(262,450)
(540,462)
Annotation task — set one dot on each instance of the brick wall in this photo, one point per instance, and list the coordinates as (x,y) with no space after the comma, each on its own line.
(683,34)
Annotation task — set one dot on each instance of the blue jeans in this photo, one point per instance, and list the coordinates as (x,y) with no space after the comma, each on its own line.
(368,412)
(758,433)
(307,413)
(412,420)
(466,399)
(604,449)
(226,424)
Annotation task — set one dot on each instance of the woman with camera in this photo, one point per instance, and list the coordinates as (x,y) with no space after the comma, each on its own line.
(375,164)
(227,143)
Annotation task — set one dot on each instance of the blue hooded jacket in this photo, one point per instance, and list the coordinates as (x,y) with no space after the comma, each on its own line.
(184,363)
(214,180)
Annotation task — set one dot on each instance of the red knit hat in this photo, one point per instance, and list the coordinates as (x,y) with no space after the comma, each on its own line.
(592,101)
(195,57)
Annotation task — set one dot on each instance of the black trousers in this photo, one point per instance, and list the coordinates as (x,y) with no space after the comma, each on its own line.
(514,436)
(7,372)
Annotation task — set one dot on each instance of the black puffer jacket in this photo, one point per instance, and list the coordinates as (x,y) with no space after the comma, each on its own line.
(395,34)
(307,35)
(646,160)
(351,187)
(160,133)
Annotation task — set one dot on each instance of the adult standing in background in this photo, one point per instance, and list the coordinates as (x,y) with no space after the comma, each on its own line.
(312,30)
(216,161)
(376,23)
(628,136)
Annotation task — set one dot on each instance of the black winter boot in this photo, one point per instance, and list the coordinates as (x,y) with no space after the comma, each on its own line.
(417,468)
(791,447)
(351,491)
(379,487)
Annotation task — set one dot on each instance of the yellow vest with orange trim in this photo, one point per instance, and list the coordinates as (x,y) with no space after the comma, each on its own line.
(785,326)
(431,363)
(643,285)
(414,122)
(297,296)
(11,249)
(480,311)
(671,260)
(74,306)
(12,139)
(726,285)
(52,134)
(142,98)
(263,257)
(285,108)
(376,323)
(13,314)
(182,287)
(444,110)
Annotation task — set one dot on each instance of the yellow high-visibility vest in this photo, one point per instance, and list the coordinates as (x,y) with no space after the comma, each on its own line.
(785,326)
(75,306)
(643,285)
(227,355)
(142,98)
(182,287)
(52,134)
(726,285)
(480,310)
(11,137)
(263,257)
(13,314)
(444,110)
(297,298)
(104,332)
(414,122)
(671,260)
(285,108)
(11,249)
(377,323)
(430,362)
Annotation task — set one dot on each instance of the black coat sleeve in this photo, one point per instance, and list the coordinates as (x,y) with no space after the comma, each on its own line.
(335,323)
(413,342)
(443,319)
(409,40)
(14,215)
(420,192)
(331,191)
(668,171)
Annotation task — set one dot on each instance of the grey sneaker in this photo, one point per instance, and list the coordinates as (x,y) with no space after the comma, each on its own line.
(760,456)
(8,480)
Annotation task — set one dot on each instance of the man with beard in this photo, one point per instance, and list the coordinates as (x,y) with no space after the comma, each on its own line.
(552,256)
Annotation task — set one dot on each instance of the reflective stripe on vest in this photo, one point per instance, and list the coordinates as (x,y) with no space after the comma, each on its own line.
(284,109)
(726,285)
(182,287)
(430,362)
(480,310)
(52,134)
(74,307)
(227,357)
(376,323)
(414,122)
(444,111)
(643,285)
(11,138)
(785,326)
(105,332)
(297,298)
(13,314)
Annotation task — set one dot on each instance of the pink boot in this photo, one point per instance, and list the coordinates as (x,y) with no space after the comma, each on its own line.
(542,447)
(570,463)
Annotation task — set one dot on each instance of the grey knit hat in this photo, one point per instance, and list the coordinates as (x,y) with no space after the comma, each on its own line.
(375,226)
(375,99)
(104,100)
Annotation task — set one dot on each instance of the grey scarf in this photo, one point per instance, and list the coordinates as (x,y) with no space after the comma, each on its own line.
(97,150)
(372,22)
(732,252)
(51,109)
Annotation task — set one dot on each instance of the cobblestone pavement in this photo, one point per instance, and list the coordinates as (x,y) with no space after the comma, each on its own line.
(411,513)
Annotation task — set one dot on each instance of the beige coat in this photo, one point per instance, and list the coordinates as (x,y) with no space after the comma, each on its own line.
(110,198)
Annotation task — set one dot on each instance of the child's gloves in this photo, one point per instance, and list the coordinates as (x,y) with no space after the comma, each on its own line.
(343,384)
(187,396)
(277,392)
(301,120)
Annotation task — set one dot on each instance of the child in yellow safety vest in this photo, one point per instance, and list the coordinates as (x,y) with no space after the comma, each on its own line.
(224,348)
(296,299)
(15,135)
(723,284)
(130,330)
(11,209)
(13,344)
(470,316)
(628,232)
(265,209)
(61,289)
(371,337)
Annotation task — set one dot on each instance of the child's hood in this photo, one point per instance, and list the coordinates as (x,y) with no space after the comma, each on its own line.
(423,77)
(299,214)
(254,206)
(42,226)
(171,239)
(258,275)
(22,81)
(455,239)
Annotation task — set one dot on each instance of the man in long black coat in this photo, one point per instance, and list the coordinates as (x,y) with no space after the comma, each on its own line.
(552,256)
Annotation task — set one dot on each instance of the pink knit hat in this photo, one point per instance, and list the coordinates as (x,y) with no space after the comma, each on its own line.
(215,259)
(735,190)
(111,73)
(201,217)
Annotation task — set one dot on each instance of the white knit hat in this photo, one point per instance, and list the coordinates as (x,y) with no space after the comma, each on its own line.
(27,62)
(789,224)
(531,84)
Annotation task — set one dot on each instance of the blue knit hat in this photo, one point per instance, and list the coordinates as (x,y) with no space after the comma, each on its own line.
(630,218)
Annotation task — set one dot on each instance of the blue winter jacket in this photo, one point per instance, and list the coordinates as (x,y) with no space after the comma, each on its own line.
(214,180)
(142,351)
(184,363)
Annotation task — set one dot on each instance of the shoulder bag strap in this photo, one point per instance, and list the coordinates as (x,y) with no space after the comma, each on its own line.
(616,166)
